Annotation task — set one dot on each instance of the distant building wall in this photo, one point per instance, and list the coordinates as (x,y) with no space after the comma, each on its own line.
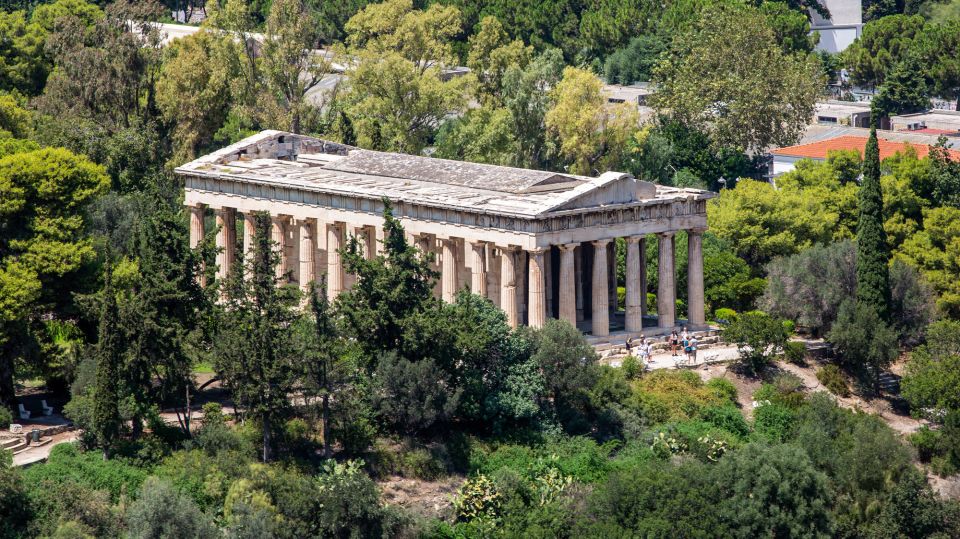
(843,26)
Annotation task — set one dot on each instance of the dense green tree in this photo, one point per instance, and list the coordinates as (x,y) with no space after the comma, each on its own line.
(46,15)
(939,50)
(109,352)
(883,44)
(482,135)
(904,90)
(809,287)
(527,96)
(160,512)
(23,66)
(391,291)
(932,378)
(759,337)
(945,177)
(15,509)
(761,222)
(873,254)
(193,90)
(45,194)
(253,347)
(491,54)
(863,340)
(635,62)
(728,71)
(773,490)
(934,251)
(323,369)
(568,364)
(592,135)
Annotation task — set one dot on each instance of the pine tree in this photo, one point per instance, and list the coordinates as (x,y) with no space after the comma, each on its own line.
(873,255)
(254,350)
(109,354)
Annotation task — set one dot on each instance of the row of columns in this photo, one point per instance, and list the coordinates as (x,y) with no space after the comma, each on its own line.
(539,274)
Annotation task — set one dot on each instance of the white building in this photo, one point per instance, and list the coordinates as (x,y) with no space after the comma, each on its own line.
(844,25)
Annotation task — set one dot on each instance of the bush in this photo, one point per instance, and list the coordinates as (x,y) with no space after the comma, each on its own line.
(632,368)
(789,326)
(759,339)
(728,315)
(6,417)
(928,443)
(724,388)
(15,507)
(795,352)
(666,395)
(863,340)
(775,422)
(67,464)
(832,378)
(477,499)
(161,512)
(729,419)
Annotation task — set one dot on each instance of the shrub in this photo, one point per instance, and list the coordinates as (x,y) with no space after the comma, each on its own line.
(759,339)
(928,443)
(724,388)
(729,419)
(477,499)
(863,340)
(673,396)
(789,326)
(795,352)
(6,417)
(832,378)
(161,512)
(728,315)
(775,422)
(631,367)
(15,507)
(67,464)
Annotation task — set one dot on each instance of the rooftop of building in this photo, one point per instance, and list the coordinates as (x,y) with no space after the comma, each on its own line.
(842,107)
(283,159)
(888,148)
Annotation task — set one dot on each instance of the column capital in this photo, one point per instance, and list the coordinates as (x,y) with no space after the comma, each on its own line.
(601,243)
(667,234)
(568,247)
(635,239)
(508,248)
(697,230)
(537,250)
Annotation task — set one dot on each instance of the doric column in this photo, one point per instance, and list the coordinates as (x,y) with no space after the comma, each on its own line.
(612,276)
(249,231)
(334,263)
(643,276)
(226,241)
(578,279)
(196,225)
(537,296)
(666,300)
(196,236)
(508,284)
(448,270)
(568,288)
(599,293)
(478,268)
(634,314)
(549,298)
(365,240)
(380,240)
(308,246)
(695,309)
(279,238)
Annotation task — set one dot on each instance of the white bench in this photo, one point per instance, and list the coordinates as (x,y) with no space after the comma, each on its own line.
(24,413)
(47,410)
(16,428)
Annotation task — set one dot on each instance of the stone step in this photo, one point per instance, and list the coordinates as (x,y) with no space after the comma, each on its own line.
(19,448)
(7,443)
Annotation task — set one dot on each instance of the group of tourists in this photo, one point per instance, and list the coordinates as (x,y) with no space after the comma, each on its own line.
(644,350)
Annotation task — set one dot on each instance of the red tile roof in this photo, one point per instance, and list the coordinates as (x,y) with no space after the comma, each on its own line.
(818,150)
(932,131)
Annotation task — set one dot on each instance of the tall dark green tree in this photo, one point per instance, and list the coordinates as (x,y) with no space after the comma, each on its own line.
(322,372)
(873,255)
(254,349)
(163,311)
(109,356)
(391,290)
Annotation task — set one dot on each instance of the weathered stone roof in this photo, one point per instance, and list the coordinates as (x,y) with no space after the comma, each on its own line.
(274,158)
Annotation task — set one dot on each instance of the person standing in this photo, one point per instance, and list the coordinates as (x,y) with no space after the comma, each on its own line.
(693,350)
(674,342)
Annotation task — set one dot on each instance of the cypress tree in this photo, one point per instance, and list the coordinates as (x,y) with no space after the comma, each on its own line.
(873,279)
(109,351)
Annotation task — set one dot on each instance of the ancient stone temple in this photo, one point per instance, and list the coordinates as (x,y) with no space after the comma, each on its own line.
(538,244)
